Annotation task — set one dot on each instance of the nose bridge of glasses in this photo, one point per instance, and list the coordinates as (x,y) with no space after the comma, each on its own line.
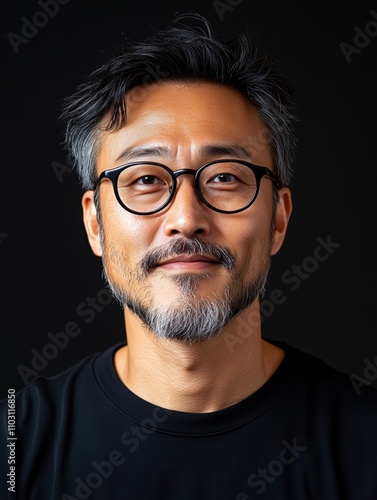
(184,171)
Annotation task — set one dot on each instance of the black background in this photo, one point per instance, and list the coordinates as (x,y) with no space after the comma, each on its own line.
(47,267)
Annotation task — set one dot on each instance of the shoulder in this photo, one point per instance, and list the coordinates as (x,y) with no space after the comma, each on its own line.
(45,393)
(334,391)
(49,406)
(313,376)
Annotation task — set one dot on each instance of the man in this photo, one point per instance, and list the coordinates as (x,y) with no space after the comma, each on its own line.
(184,145)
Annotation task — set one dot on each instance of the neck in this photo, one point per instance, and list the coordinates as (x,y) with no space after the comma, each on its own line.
(199,377)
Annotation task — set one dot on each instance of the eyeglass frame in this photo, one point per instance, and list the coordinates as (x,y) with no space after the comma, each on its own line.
(258,170)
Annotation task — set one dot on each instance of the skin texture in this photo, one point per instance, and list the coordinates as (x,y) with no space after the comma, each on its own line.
(215,373)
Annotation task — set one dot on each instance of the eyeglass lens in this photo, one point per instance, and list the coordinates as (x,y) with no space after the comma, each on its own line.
(225,186)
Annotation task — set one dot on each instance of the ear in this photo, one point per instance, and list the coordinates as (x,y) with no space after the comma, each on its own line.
(91,222)
(282,215)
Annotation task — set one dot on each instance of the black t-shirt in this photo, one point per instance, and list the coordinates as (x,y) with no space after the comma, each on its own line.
(305,434)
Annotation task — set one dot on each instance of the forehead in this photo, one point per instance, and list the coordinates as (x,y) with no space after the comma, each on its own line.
(184,118)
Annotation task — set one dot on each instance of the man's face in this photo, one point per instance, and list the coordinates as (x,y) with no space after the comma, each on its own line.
(187,270)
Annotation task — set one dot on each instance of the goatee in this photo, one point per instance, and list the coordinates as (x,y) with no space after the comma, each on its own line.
(189,318)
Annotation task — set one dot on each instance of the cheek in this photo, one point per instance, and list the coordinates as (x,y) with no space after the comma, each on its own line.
(126,233)
(253,228)
(254,243)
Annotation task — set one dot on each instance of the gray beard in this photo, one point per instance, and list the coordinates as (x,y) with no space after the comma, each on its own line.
(190,322)
(189,318)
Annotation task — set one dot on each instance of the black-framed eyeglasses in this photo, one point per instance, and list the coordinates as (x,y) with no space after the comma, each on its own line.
(226,186)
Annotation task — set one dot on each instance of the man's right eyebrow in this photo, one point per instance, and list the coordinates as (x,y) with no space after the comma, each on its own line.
(141,152)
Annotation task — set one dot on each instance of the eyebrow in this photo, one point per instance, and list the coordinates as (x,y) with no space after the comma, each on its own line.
(144,152)
(234,150)
(210,150)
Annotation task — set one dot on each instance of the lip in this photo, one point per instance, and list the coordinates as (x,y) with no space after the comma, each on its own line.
(188,262)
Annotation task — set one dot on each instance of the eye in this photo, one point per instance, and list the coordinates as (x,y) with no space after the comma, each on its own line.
(148,180)
(222,178)
(147,184)
(144,179)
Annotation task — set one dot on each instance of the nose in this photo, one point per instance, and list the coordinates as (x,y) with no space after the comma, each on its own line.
(186,215)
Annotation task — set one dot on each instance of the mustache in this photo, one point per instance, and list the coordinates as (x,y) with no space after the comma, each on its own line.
(192,246)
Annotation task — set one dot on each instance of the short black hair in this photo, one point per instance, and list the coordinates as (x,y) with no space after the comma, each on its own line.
(185,50)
